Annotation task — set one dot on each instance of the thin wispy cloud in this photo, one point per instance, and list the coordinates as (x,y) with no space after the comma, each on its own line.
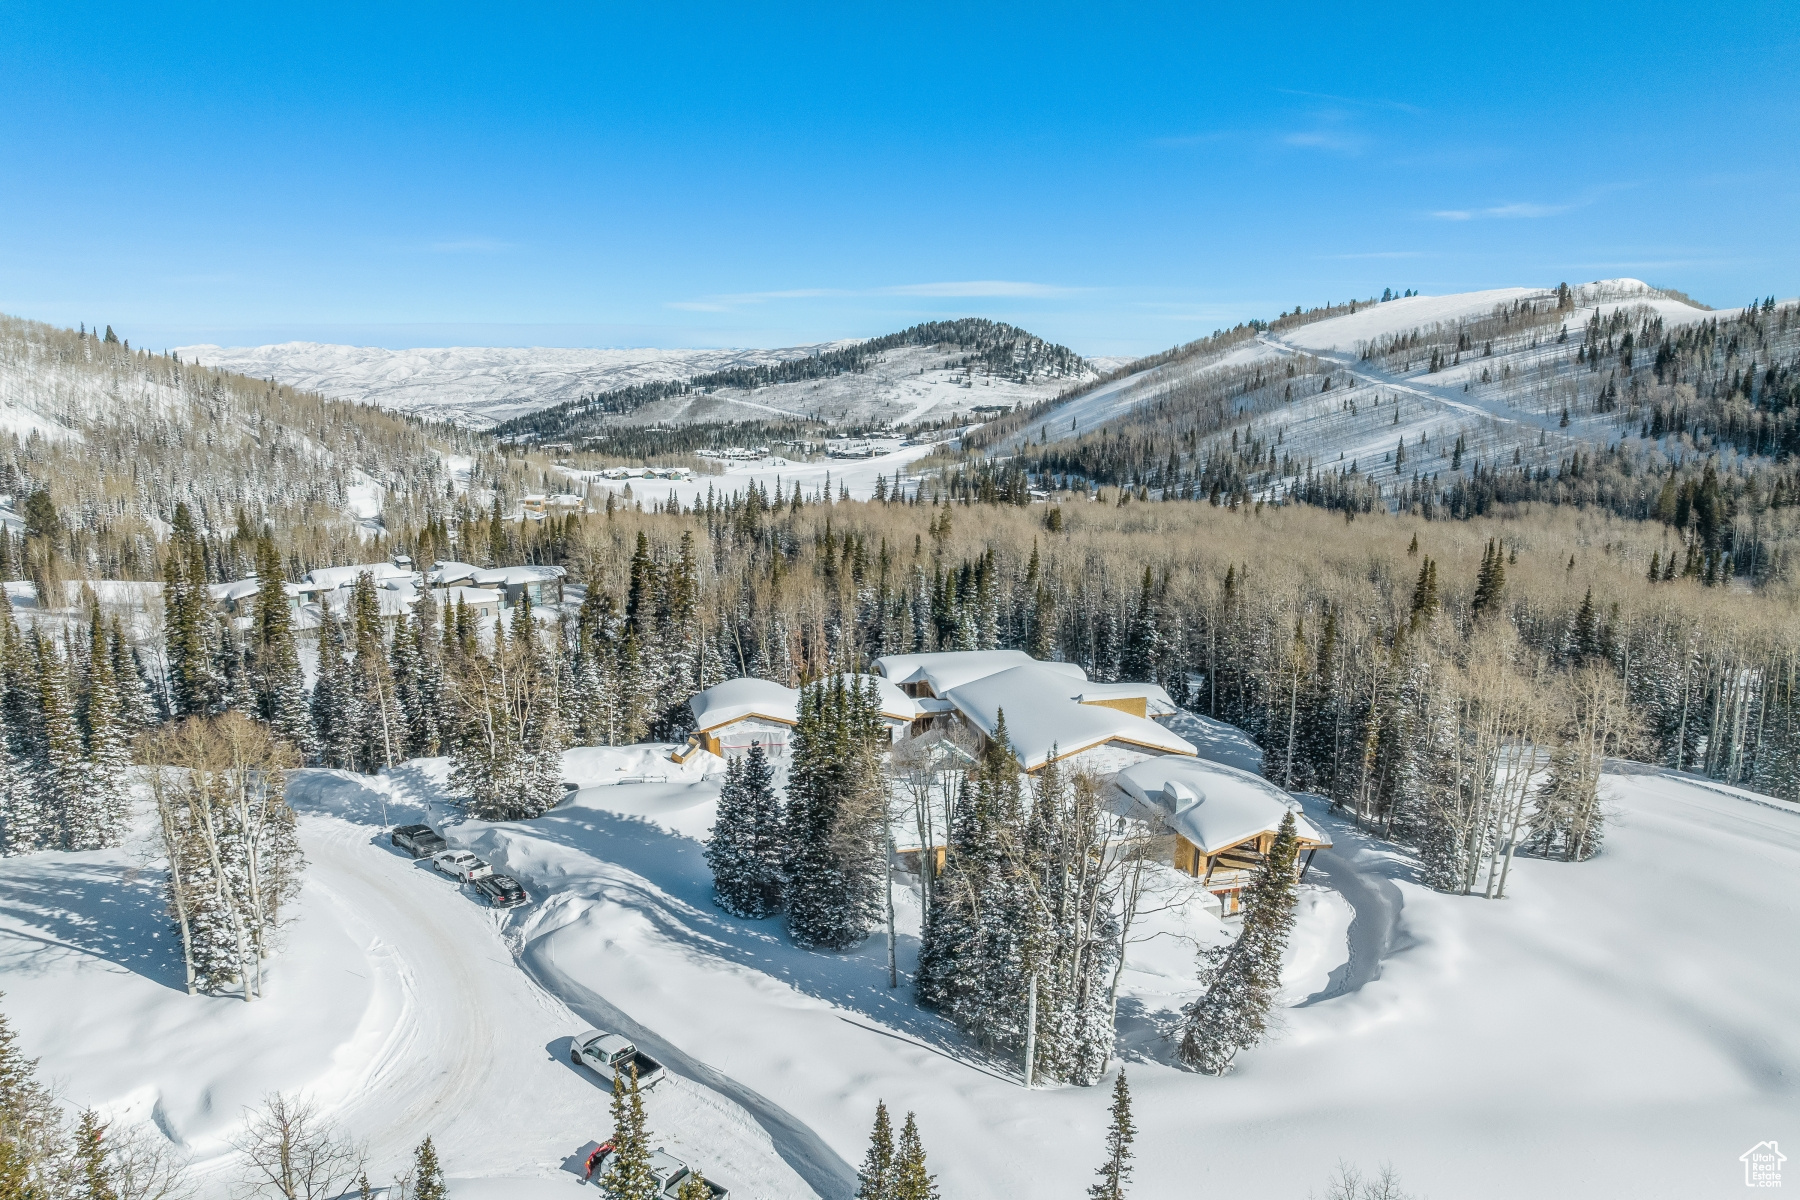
(470,246)
(1504,212)
(966,289)
(1529,210)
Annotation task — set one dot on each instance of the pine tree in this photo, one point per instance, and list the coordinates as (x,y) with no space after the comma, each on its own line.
(100,818)
(1116,1172)
(628,1175)
(911,1180)
(1242,980)
(1490,581)
(428,1176)
(836,818)
(275,673)
(748,845)
(875,1181)
(137,705)
(189,634)
(335,704)
(60,773)
(93,1170)
(382,728)
(34,1164)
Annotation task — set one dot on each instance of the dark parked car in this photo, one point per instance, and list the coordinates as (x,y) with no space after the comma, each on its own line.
(500,891)
(420,841)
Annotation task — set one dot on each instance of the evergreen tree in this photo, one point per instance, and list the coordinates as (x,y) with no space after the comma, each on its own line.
(99,819)
(428,1176)
(628,1175)
(382,728)
(60,772)
(137,704)
(1242,980)
(94,1172)
(335,704)
(836,818)
(1116,1172)
(274,658)
(911,1180)
(507,736)
(693,1187)
(34,1164)
(189,636)
(1491,580)
(876,1179)
(748,846)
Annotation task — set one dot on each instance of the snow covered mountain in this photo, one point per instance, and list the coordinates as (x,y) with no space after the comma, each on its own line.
(480,387)
(1505,380)
(472,386)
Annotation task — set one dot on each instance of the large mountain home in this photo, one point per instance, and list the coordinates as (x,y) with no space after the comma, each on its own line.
(1223,820)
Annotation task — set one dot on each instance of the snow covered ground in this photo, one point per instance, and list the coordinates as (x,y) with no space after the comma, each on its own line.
(856,474)
(1615,1028)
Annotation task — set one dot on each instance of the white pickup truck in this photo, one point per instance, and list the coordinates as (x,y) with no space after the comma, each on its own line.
(609,1055)
(669,1172)
(461,866)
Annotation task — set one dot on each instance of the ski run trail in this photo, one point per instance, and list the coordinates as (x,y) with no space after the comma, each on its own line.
(1616,1028)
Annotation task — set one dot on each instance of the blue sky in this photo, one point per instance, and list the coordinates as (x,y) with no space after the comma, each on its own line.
(1116,177)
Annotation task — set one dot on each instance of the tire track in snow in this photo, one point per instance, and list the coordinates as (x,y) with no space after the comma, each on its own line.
(823,1169)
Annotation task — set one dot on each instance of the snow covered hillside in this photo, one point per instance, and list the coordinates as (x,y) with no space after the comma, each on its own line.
(1638,1002)
(472,386)
(126,435)
(1348,389)
(478,387)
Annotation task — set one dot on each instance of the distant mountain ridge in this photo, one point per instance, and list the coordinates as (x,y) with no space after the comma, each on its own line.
(474,386)
(998,352)
(551,392)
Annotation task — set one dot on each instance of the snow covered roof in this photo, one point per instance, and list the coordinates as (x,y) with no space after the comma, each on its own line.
(949,669)
(1212,805)
(393,602)
(1042,717)
(331,578)
(736,699)
(1157,701)
(893,702)
(237,589)
(514,576)
(450,571)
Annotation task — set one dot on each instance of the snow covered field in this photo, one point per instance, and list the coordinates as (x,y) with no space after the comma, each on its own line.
(1621,1027)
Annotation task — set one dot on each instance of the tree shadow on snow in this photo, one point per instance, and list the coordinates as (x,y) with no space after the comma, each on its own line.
(109,910)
